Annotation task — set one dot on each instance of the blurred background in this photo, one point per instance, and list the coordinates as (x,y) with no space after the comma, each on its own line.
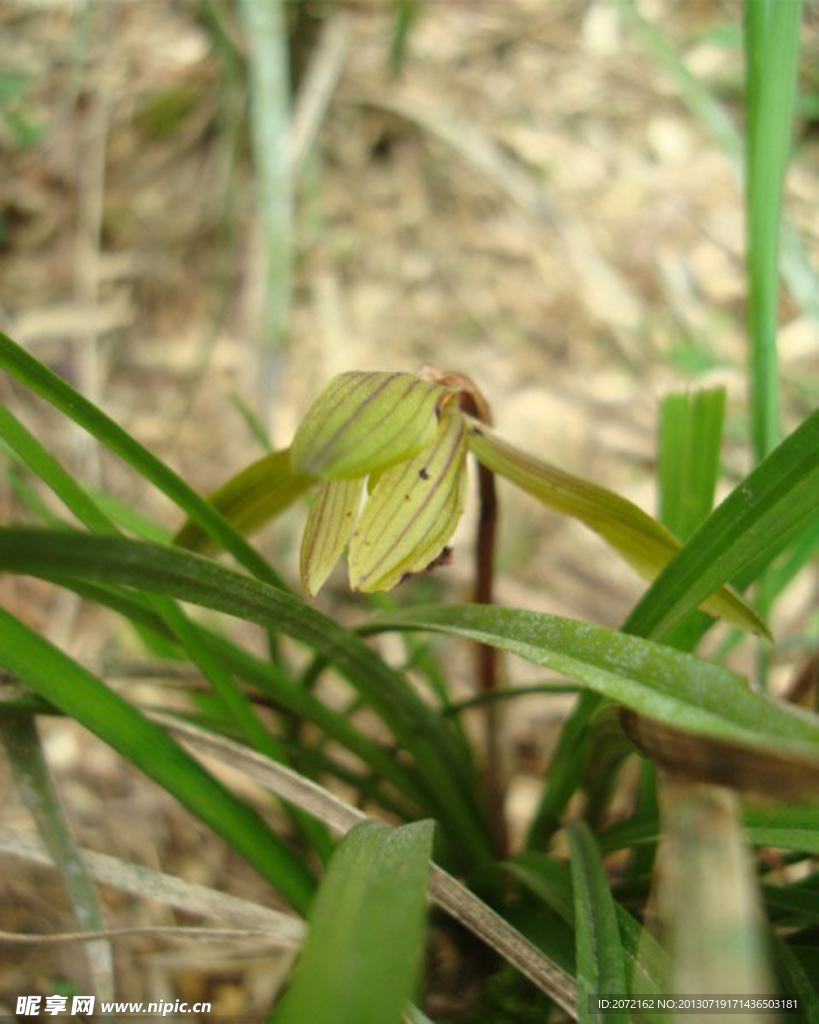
(209,208)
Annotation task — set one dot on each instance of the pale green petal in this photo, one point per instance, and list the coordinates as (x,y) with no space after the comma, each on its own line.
(643,542)
(250,499)
(329,526)
(363,422)
(412,512)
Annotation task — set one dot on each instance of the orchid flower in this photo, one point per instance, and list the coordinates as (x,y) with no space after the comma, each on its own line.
(398,444)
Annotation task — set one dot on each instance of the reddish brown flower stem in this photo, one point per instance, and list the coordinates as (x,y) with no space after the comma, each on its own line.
(487,660)
(494,782)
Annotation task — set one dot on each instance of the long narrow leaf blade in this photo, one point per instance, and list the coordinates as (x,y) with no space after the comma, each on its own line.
(361,960)
(26,757)
(62,396)
(37,458)
(235,701)
(690,436)
(778,497)
(551,882)
(601,966)
(645,544)
(75,691)
(680,692)
(448,779)
(772,52)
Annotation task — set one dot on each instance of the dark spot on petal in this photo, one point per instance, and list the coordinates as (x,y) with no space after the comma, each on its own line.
(445,558)
(423,474)
(406,497)
(478,432)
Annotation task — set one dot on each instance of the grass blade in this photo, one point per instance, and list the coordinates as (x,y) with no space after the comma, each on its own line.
(551,881)
(360,963)
(755,520)
(75,691)
(772,54)
(448,780)
(268,678)
(793,827)
(269,84)
(29,451)
(796,266)
(645,544)
(167,890)
(447,893)
(675,690)
(600,961)
(690,436)
(796,979)
(233,699)
(39,379)
(689,462)
(30,769)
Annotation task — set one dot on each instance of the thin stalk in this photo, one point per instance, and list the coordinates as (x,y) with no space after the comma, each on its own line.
(22,744)
(270,127)
(772,58)
(474,403)
(510,693)
(486,659)
(772,53)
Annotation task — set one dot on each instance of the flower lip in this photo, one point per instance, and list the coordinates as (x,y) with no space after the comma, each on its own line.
(413,511)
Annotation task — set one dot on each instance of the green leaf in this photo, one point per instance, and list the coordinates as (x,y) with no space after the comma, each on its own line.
(234,700)
(760,515)
(600,962)
(29,766)
(772,61)
(412,512)
(788,827)
(366,931)
(81,695)
(249,500)
(643,542)
(253,422)
(690,436)
(364,422)
(696,94)
(329,527)
(689,462)
(672,688)
(796,979)
(805,549)
(269,678)
(551,881)
(53,389)
(798,903)
(448,780)
(37,458)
